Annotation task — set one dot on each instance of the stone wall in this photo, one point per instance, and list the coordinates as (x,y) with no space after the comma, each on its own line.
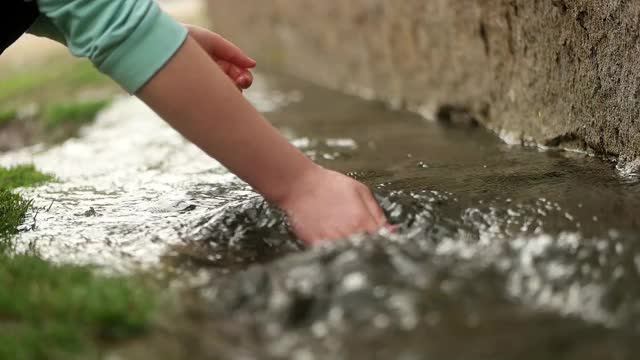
(557,72)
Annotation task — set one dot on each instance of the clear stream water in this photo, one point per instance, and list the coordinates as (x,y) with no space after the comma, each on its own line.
(502,252)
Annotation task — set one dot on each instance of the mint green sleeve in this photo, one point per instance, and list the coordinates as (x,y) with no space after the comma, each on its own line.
(128,40)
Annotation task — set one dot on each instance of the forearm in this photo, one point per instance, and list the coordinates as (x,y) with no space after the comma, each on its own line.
(195,97)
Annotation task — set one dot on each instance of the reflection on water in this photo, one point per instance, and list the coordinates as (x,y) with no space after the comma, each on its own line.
(129,187)
(501,252)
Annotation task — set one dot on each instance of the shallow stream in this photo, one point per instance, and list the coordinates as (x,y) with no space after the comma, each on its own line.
(502,252)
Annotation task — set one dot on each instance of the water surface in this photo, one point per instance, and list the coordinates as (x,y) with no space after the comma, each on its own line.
(502,252)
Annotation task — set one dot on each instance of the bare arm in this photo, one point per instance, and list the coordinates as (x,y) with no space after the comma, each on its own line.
(207,109)
(189,83)
(195,96)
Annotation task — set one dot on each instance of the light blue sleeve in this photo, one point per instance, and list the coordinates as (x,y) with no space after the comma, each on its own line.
(128,40)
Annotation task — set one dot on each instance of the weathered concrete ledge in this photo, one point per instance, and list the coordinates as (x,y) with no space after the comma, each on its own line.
(557,72)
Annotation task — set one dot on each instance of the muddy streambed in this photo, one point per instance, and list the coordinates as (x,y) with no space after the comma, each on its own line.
(502,252)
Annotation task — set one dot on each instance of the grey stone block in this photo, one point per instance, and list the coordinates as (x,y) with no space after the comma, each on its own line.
(552,72)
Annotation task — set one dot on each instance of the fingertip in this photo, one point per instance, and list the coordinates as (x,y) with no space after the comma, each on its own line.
(246,62)
(244,81)
(391,228)
(377,212)
(373,230)
(370,226)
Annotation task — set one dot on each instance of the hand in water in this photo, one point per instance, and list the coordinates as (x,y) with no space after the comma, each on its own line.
(233,61)
(321,204)
(326,205)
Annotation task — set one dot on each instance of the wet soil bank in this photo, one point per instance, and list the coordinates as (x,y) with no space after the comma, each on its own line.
(559,73)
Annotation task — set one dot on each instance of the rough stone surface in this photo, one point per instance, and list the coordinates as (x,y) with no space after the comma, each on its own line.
(557,72)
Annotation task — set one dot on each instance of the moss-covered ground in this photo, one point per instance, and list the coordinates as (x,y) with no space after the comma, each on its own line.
(59,77)
(53,98)
(21,176)
(50,311)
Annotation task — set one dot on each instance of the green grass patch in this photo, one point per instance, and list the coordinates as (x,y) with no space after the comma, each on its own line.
(50,311)
(84,74)
(47,86)
(79,113)
(7,115)
(21,83)
(21,176)
(12,210)
(53,81)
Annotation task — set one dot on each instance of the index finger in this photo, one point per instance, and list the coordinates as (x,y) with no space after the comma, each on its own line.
(374,209)
(224,49)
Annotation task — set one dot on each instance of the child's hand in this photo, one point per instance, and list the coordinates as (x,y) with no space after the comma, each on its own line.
(233,61)
(321,204)
(326,205)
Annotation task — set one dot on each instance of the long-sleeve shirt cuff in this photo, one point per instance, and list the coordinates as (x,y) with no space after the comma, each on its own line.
(128,40)
(135,61)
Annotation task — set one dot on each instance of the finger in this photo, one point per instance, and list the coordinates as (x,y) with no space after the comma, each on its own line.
(374,209)
(241,77)
(245,79)
(225,66)
(301,232)
(366,225)
(227,69)
(332,236)
(325,237)
(224,49)
(311,236)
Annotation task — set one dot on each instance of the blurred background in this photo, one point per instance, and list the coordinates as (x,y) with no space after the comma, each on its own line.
(46,94)
(500,136)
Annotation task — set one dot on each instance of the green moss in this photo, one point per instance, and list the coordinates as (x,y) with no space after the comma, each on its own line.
(84,74)
(12,210)
(21,83)
(66,309)
(7,115)
(28,343)
(50,311)
(21,176)
(78,113)
(48,87)
(56,80)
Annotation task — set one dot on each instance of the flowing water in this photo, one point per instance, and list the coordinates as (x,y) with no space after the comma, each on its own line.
(501,252)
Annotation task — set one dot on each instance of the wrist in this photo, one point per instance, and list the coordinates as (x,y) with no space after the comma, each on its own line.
(296,184)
